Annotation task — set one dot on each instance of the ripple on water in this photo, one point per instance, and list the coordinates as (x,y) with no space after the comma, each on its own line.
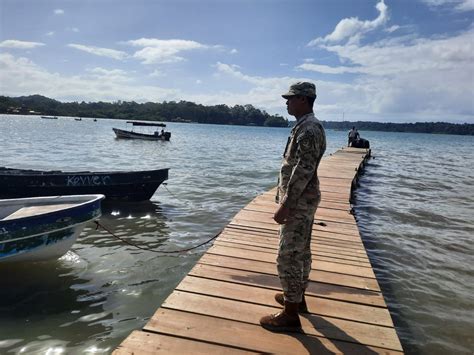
(413,216)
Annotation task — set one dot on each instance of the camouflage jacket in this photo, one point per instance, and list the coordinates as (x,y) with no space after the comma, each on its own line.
(304,150)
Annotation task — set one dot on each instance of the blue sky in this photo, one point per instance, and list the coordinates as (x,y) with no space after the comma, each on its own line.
(392,60)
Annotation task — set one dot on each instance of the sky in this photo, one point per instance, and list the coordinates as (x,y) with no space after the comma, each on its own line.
(372,60)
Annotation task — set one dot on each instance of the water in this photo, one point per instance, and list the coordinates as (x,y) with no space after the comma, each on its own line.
(413,207)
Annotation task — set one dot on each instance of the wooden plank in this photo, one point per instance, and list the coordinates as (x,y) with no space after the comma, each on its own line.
(351,260)
(140,342)
(349,241)
(264,296)
(272,243)
(344,205)
(342,216)
(248,336)
(330,227)
(332,328)
(319,262)
(324,283)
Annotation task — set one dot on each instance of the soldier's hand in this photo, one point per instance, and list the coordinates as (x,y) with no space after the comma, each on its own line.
(282,215)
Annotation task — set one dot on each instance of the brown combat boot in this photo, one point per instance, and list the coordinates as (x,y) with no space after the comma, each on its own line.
(302,307)
(285,321)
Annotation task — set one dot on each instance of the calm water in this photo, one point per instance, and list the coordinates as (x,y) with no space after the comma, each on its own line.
(414,207)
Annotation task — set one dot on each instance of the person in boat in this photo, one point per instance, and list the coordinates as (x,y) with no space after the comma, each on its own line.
(162,132)
(298,196)
(352,136)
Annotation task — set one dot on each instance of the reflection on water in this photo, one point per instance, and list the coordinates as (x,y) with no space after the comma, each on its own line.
(142,223)
(40,297)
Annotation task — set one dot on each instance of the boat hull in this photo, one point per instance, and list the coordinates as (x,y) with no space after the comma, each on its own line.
(38,229)
(42,247)
(123,186)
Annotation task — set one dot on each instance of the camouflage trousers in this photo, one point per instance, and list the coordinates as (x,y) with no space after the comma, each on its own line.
(294,252)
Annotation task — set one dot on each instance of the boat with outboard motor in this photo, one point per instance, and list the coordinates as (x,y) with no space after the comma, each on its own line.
(154,135)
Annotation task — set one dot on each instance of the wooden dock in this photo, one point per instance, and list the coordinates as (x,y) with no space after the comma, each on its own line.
(217,307)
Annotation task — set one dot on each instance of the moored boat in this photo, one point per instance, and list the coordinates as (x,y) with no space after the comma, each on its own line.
(154,135)
(115,185)
(43,228)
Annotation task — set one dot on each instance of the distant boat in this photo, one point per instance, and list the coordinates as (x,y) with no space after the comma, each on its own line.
(115,185)
(49,117)
(155,136)
(78,119)
(95,119)
(43,228)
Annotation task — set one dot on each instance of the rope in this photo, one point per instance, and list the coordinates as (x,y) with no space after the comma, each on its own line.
(165,186)
(150,249)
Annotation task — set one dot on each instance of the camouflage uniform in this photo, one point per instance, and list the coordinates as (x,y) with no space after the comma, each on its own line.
(298,189)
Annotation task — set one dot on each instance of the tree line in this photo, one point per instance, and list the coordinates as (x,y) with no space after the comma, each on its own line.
(169,111)
(417,127)
(185,111)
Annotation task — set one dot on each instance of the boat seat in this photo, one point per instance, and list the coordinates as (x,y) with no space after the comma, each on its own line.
(35,210)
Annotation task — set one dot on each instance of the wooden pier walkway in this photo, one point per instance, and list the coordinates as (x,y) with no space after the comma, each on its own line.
(217,306)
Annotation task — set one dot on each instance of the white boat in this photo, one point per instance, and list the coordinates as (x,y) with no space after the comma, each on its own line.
(153,135)
(43,228)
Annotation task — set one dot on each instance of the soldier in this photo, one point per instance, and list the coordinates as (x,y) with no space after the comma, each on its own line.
(298,196)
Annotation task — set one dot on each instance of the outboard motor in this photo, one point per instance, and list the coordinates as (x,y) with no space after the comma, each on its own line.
(361,143)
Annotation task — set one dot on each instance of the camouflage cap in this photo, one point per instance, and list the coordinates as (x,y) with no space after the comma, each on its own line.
(302,88)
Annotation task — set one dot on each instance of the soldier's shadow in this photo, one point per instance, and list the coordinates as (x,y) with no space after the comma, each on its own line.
(341,341)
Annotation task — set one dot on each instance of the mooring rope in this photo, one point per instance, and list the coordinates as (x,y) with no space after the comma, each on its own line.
(98,224)
(165,186)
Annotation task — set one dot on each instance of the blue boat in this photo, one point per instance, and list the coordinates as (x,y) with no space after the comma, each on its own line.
(43,228)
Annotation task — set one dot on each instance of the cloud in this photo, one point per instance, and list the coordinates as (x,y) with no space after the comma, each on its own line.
(457,5)
(352,29)
(102,52)
(21,76)
(59,12)
(116,75)
(157,74)
(392,28)
(234,51)
(50,33)
(424,75)
(158,51)
(327,69)
(264,92)
(13,43)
